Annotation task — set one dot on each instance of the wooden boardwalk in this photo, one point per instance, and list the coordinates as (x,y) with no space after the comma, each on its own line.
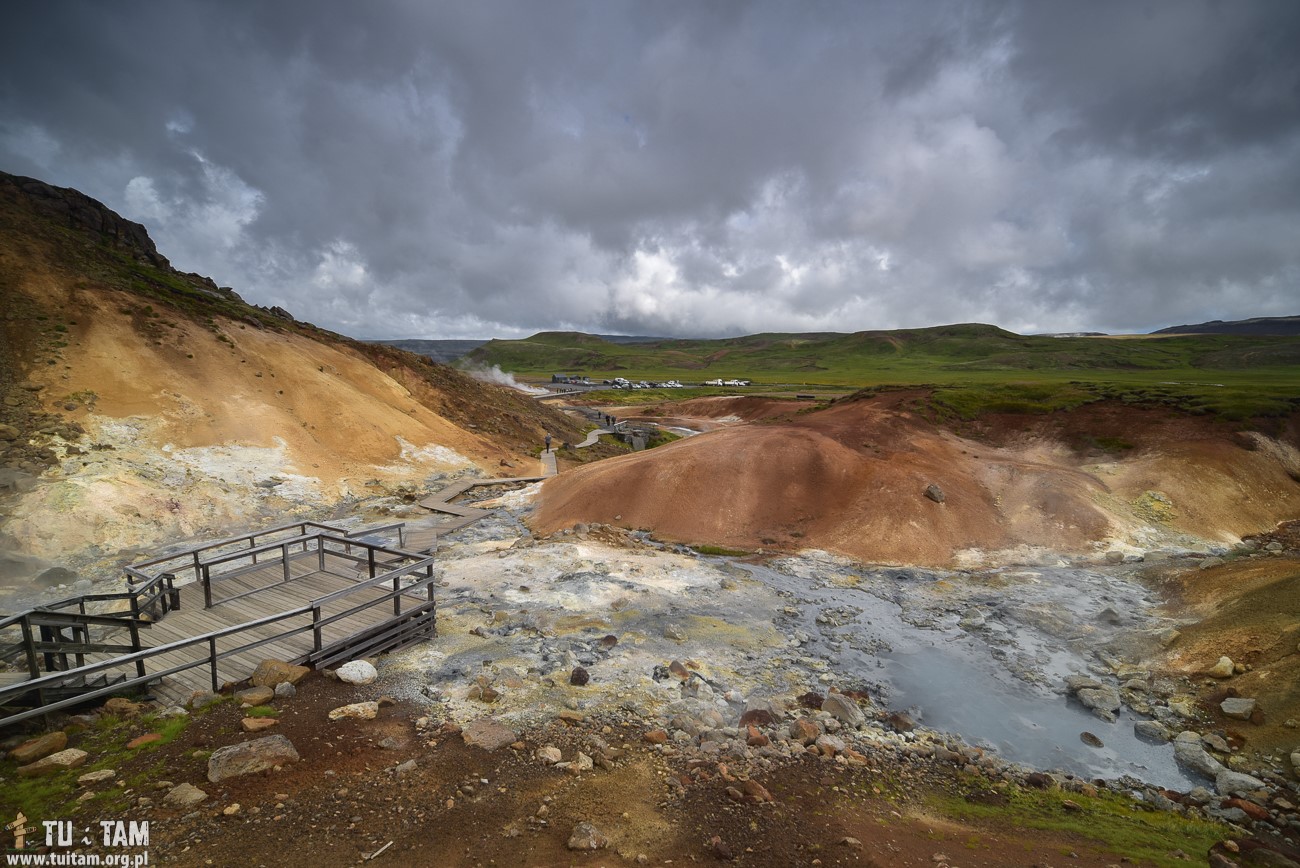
(193,620)
(202,619)
(454,516)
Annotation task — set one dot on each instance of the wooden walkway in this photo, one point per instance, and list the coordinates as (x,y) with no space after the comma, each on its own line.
(192,619)
(454,516)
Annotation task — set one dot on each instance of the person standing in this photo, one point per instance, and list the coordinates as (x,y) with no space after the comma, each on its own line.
(548,441)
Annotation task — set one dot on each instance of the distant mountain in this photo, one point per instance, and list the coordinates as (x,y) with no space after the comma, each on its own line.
(449,351)
(445,352)
(1260,325)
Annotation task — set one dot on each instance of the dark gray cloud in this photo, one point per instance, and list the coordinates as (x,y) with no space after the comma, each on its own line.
(471,169)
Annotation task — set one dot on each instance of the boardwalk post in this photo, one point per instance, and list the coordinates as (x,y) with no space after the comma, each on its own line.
(29,643)
(212,659)
(320,552)
(198,570)
(315,627)
(284,554)
(397,595)
(370,552)
(135,646)
(207,586)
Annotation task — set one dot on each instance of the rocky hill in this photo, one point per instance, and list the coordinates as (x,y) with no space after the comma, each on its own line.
(140,404)
(1260,325)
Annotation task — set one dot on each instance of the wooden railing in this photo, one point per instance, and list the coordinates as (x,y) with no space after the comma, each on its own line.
(191,560)
(411,584)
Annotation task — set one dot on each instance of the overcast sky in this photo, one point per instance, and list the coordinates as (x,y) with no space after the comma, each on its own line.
(478,169)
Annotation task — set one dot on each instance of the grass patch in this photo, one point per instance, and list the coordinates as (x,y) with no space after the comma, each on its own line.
(261,711)
(55,796)
(1108,822)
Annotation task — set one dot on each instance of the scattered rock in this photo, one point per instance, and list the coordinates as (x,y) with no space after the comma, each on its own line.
(755,792)
(184,796)
(250,757)
(655,736)
(579,677)
(843,709)
(1090,740)
(1230,783)
(935,493)
(285,690)
(69,758)
(39,748)
(255,696)
(1189,753)
(357,672)
(487,733)
(549,755)
(1210,563)
(587,837)
(271,673)
(1151,730)
(122,707)
(804,731)
(1222,669)
(674,632)
(258,724)
(357,711)
(97,777)
(1238,708)
(1103,701)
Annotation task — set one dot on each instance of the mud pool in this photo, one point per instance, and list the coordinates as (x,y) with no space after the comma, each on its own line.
(995,681)
(979,654)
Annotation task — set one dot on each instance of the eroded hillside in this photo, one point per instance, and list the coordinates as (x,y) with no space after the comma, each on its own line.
(142,405)
(853,478)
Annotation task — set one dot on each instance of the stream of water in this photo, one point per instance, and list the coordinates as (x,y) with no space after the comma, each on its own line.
(998,687)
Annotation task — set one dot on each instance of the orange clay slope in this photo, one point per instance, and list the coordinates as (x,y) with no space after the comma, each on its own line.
(851,479)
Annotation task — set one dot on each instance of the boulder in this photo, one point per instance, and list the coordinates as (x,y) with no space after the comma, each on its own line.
(935,493)
(804,731)
(1222,669)
(1238,708)
(70,758)
(123,707)
(549,754)
(587,837)
(39,748)
(258,724)
(487,733)
(843,709)
(357,672)
(1103,701)
(270,673)
(1151,730)
(250,757)
(184,796)
(1082,682)
(1295,760)
(1189,754)
(356,711)
(1230,783)
(96,777)
(255,696)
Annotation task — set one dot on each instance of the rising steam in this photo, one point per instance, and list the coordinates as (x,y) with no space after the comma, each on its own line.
(494,374)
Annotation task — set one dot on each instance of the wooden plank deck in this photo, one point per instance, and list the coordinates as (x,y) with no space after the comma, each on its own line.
(248,597)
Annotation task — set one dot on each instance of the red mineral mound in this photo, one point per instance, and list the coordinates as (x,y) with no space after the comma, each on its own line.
(852,479)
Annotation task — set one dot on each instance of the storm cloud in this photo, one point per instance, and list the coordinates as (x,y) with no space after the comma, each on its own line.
(416,169)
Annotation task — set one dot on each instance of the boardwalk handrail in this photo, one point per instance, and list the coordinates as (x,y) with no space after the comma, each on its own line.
(400,625)
(192,559)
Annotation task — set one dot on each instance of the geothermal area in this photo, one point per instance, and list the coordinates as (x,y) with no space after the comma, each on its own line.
(829,630)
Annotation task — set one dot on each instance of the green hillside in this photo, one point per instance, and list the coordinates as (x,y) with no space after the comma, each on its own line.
(1236,375)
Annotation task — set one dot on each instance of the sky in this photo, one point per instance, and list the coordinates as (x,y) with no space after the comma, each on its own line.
(696,169)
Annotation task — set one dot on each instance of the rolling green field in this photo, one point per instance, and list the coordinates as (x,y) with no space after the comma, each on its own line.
(971,368)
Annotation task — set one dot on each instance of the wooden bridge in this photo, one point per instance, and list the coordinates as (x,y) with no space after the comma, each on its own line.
(304,593)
